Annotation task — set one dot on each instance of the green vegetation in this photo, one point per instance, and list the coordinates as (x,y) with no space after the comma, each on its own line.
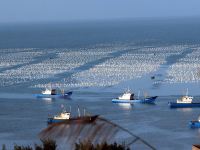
(3,147)
(51,145)
(103,146)
(46,145)
(16,147)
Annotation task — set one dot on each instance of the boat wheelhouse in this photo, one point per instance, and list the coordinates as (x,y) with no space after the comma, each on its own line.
(127,96)
(49,92)
(185,99)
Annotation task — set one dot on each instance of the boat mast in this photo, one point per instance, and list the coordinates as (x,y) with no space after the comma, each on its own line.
(63,107)
(84,111)
(70,109)
(79,114)
(63,87)
(187,92)
(50,86)
(138,94)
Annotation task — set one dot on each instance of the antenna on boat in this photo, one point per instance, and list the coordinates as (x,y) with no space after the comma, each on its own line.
(138,94)
(145,94)
(129,89)
(63,107)
(84,111)
(79,114)
(50,86)
(70,109)
(187,92)
(62,87)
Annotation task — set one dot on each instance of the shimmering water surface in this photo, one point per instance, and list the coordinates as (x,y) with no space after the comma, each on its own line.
(98,61)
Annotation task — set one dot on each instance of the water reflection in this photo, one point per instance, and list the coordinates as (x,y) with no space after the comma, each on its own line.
(198,130)
(185,109)
(126,106)
(48,100)
(199,133)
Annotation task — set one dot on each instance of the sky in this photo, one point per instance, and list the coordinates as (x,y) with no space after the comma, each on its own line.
(70,10)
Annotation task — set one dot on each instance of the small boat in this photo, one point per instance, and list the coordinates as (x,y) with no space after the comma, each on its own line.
(184,102)
(52,93)
(195,123)
(128,97)
(65,117)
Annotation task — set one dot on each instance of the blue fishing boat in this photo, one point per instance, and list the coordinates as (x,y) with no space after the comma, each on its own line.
(184,102)
(128,97)
(52,93)
(183,105)
(195,123)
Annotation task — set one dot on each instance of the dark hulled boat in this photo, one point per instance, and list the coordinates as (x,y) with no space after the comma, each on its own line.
(65,117)
(82,119)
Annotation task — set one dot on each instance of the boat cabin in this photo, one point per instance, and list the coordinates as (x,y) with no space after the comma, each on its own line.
(50,92)
(185,99)
(63,115)
(127,96)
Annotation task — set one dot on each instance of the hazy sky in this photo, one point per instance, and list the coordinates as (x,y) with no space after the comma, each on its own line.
(64,10)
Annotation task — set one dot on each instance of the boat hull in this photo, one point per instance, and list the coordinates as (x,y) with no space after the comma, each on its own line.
(66,95)
(83,119)
(146,100)
(183,105)
(194,124)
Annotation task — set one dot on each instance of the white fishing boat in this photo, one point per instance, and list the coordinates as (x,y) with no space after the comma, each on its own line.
(128,97)
(184,101)
(53,93)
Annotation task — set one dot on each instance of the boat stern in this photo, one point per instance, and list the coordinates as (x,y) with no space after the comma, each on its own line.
(194,124)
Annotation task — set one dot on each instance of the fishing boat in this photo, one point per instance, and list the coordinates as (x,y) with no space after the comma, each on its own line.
(184,102)
(128,97)
(195,123)
(59,118)
(65,117)
(52,93)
